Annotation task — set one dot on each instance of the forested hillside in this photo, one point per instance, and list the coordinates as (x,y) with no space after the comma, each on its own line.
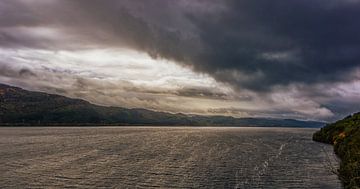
(345,136)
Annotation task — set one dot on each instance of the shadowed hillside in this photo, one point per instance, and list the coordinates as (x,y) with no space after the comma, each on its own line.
(21,107)
(345,136)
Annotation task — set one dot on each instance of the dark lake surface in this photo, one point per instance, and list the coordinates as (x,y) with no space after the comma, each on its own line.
(181,157)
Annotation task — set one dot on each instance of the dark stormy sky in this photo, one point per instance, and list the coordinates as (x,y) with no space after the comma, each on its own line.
(244,58)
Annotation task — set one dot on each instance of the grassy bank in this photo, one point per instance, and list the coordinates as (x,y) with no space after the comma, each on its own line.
(345,136)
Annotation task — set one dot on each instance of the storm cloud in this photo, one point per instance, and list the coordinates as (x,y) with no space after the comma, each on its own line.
(267,51)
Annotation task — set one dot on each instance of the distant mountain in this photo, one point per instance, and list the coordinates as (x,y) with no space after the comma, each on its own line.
(345,136)
(20,107)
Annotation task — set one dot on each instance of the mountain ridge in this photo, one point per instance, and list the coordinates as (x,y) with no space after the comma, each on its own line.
(21,107)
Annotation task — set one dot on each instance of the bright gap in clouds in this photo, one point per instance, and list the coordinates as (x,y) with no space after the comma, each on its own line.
(112,65)
(127,65)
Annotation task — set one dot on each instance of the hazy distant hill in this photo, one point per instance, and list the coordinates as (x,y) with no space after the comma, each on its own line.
(345,136)
(21,107)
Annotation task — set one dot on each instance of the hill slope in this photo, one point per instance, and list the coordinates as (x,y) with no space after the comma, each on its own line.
(22,107)
(345,136)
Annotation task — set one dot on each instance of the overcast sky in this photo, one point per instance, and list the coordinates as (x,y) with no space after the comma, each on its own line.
(244,58)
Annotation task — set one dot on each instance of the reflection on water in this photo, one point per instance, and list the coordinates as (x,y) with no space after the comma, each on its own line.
(164,157)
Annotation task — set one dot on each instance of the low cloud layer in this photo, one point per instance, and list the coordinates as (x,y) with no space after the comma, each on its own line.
(292,59)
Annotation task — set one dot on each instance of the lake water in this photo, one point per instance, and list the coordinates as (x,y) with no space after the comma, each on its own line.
(180,157)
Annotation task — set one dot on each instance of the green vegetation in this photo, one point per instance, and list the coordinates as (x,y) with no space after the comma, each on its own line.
(345,136)
(19,107)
